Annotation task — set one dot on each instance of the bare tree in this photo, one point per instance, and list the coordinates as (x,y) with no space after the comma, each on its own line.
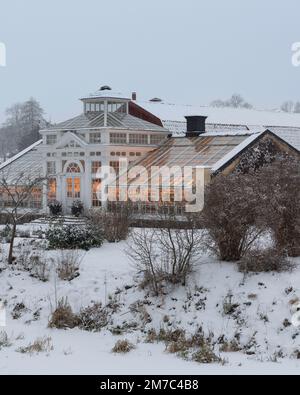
(17,192)
(297,107)
(236,101)
(167,254)
(287,106)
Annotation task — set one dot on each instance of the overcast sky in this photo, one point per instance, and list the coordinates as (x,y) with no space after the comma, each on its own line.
(184,51)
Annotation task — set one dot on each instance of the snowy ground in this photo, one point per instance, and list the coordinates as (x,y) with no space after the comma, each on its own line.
(261,317)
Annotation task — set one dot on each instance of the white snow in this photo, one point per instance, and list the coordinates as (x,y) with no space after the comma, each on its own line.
(105,269)
(240,116)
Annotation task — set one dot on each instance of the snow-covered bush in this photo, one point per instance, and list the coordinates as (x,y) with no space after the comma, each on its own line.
(73,237)
(67,267)
(77,208)
(113,224)
(40,267)
(123,346)
(93,318)
(5,233)
(268,260)
(39,345)
(63,317)
(4,340)
(55,207)
(165,255)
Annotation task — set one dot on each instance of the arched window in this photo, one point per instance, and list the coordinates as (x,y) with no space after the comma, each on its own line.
(73,168)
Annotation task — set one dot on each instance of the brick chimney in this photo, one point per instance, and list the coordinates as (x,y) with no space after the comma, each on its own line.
(133,96)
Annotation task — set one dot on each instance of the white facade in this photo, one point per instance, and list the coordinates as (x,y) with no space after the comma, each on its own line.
(74,150)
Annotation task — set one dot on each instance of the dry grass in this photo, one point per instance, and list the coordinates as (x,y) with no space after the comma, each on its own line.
(68,265)
(123,347)
(63,316)
(93,318)
(39,345)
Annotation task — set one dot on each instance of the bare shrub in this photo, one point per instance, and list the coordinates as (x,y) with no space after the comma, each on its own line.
(18,310)
(67,266)
(198,347)
(268,260)
(123,346)
(206,354)
(139,308)
(231,346)
(230,215)
(4,340)
(229,306)
(279,187)
(40,268)
(63,316)
(114,224)
(93,318)
(39,345)
(164,255)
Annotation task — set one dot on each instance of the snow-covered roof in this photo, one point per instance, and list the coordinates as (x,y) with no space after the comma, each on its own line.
(228,120)
(20,154)
(94,120)
(105,94)
(28,162)
(225,115)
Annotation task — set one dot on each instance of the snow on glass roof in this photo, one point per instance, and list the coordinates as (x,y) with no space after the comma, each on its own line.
(196,151)
(116,120)
(27,162)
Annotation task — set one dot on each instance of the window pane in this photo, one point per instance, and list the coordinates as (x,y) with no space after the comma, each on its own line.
(138,139)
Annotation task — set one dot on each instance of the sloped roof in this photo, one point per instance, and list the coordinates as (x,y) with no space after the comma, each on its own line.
(195,151)
(116,120)
(28,162)
(211,150)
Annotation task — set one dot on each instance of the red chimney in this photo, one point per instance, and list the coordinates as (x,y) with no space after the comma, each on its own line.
(133,96)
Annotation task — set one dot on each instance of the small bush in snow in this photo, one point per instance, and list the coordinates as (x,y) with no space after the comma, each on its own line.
(166,255)
(40,268)
(4,340)
(5,234)
(77,208)
(113,224)
(55,207)
(39,345)
(268,260)
(72,237)
(230,346)
(229,307)
(206,354)
(93,318)
(123,346)
(68,265)
(63,316)
(18,310)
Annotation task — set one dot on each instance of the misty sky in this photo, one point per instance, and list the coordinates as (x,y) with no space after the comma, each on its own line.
(184,51)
